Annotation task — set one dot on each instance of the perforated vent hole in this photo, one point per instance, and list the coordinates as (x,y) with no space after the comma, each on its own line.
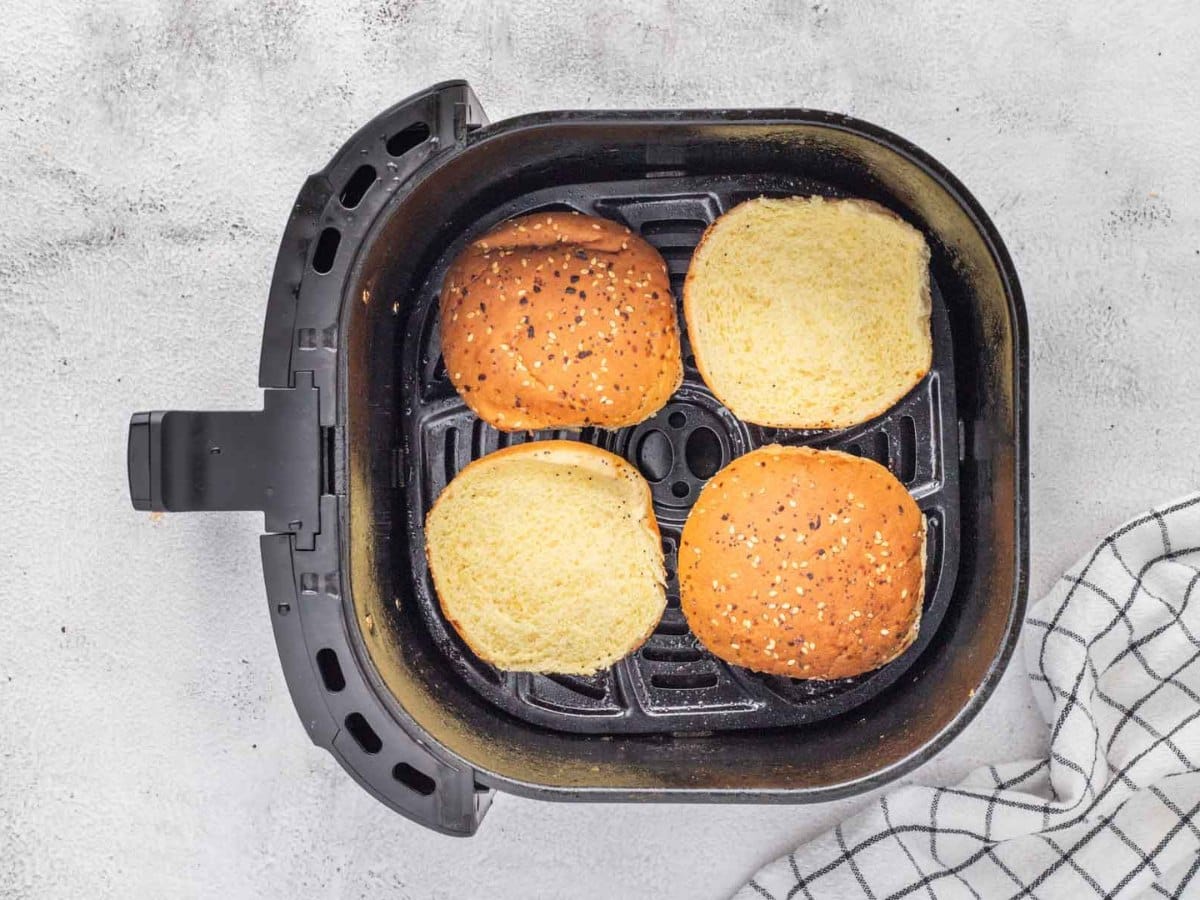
(881,450)
(331,670)
(655,456)
(450,454)
(413,136)
(439,372)
(327,247)
(357,187)
(552,208)
(579,686)
(680,489)
(682,234)
(671,654)
(666,626)
(362,732)
(414,779)
(703,452)
(908,450)
(684,681)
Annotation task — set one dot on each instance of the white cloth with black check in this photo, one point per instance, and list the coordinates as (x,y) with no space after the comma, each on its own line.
(1113,652)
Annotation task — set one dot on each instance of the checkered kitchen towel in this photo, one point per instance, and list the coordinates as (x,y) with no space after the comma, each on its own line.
(1114,656)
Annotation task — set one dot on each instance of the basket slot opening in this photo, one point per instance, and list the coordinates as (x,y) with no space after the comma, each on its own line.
(414,779)
(880,448)
(580,686)
(681,234)
(673,628)
(358,185)
(406,139)
(684,681)
(671,654)
(450,454)
(326,252)
(331,670)
(362,732)
(908,450)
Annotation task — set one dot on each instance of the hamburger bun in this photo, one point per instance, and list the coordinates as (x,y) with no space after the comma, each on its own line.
(806,563)
(558,320)
(547,557)
(809,313)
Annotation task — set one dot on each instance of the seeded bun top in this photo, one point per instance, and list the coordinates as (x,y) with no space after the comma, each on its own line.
(806,563)
(558,320)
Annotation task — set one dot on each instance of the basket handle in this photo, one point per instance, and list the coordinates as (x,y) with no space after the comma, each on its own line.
(267,460)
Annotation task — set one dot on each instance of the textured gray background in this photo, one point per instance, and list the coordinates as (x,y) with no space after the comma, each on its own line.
(149,156)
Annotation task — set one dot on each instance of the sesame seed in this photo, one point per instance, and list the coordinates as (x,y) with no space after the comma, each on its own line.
(883,631)
(735,646)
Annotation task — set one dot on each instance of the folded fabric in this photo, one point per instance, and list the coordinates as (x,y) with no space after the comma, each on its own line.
(1113,654)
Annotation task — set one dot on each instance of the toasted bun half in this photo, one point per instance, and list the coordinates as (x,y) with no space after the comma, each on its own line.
(547,557)
(807,563)
(809,313)
(558,320)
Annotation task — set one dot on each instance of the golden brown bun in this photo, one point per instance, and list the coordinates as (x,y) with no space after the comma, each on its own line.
(800,562)
(805,312)
(547,557)
(558,320)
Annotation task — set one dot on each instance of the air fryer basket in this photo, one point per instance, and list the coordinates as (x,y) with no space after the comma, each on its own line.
(361,429)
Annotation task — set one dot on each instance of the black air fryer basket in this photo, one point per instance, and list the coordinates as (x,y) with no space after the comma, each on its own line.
(361,429)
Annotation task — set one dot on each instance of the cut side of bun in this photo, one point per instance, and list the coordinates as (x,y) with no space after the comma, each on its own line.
(805,563)
(808,312)
(547,557)
(559,320)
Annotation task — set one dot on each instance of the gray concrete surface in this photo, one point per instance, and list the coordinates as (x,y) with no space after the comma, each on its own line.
(149,155)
